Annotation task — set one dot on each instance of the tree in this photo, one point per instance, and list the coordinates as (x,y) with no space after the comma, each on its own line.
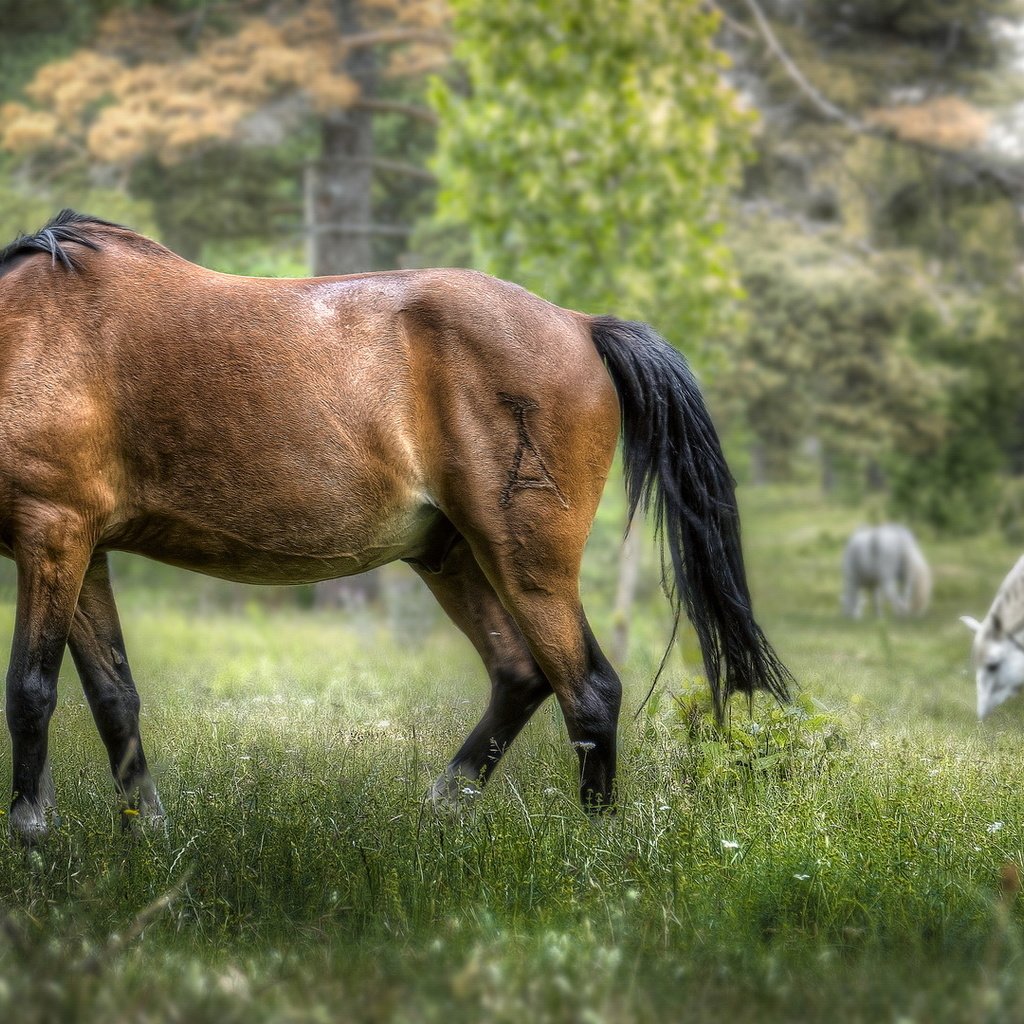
(953,482)
(831,351)
(591,154)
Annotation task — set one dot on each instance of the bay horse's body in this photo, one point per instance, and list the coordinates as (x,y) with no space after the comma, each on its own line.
(287,431)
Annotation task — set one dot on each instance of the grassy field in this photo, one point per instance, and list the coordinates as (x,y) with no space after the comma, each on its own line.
(840,861)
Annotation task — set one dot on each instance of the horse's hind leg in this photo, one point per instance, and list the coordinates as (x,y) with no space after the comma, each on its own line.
(551,617)
(518,687)
(97,647)
(52,558)
(531,470)
(535,572)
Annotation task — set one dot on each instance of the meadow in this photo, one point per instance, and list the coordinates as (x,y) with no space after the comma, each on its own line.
(843,859)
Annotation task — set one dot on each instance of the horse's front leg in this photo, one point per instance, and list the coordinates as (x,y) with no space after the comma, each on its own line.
(52,557)
(97,647)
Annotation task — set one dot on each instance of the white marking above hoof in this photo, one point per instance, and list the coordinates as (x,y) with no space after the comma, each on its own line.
(29,823)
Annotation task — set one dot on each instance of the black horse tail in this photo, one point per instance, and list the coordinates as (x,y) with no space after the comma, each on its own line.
(674,466)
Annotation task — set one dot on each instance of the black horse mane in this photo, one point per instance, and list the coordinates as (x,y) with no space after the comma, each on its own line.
(67,226)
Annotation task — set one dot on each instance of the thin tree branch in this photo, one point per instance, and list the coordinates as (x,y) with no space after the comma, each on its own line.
(380,164)
(423,67)
(728,19)
(830,110)
(342,228)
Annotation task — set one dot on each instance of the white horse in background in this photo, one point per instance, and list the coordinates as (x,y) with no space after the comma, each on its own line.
(998,652)
(886,561)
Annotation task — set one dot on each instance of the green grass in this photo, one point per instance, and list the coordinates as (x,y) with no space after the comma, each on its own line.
(839,862)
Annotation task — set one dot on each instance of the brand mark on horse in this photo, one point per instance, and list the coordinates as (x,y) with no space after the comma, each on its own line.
(529,470)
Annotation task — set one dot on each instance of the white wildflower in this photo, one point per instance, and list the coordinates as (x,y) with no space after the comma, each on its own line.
(730,844)
(993,827)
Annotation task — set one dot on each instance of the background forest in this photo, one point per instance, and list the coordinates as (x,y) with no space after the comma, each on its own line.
(821,203)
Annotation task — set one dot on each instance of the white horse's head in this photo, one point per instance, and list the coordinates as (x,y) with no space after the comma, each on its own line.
(998,651)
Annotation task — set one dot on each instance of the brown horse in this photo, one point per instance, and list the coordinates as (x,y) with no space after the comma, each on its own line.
(286,431)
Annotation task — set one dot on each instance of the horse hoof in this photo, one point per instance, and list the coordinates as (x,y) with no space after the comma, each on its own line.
(452,794)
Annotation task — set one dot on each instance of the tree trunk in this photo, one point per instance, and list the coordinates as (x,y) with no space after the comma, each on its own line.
(339,184)
(338,199)
(338,196)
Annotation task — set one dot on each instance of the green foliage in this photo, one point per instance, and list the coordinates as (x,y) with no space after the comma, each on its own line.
(590,158)
(953,483)
(787,740)
(875,318)
(954,487)
(829,351)
(893,379)
(1011,512)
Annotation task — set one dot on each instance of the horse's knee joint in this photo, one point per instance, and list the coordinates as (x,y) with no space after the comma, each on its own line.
(609,687)
(599,703)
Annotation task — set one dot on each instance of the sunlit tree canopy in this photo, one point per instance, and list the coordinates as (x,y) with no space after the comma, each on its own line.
(145,87)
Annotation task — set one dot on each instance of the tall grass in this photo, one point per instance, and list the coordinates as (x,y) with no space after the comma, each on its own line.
(838,860)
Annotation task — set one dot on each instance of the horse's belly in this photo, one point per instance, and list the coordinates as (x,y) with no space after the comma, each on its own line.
(296,553)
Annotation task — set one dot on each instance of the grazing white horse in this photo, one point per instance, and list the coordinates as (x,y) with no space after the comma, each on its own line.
(886,561)
(998,652)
